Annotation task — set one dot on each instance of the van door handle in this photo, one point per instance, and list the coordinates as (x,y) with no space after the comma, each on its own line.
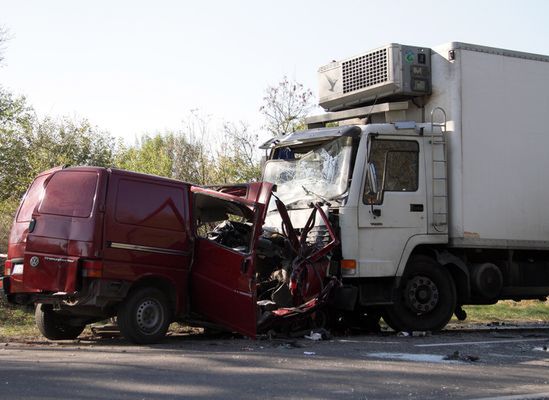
(416,207)
(244,265)
(32,225)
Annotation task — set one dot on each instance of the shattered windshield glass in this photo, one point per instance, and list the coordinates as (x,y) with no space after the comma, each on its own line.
(319,174)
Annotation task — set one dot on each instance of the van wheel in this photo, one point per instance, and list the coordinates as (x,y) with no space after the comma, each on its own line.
(426,297)
(144,317)
(54,326)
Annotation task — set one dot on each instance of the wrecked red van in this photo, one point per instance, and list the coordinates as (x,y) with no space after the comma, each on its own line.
(91,243)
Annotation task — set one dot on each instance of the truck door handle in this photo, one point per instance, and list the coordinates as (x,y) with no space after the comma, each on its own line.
(416,207)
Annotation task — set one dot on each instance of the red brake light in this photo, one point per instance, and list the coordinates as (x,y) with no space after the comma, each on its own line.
(7,267)
(92,268)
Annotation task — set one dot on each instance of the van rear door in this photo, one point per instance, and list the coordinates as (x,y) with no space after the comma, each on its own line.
(20,229)
(64,228)
(222,281)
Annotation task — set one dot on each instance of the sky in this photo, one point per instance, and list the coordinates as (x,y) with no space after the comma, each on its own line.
(136,67)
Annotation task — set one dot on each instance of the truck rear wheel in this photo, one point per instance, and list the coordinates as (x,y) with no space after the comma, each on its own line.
(54,326)
(144,317)
(426,297)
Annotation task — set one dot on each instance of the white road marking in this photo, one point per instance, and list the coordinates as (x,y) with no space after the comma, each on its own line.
(482,342)
(434,358)
(526,396)
(366,341)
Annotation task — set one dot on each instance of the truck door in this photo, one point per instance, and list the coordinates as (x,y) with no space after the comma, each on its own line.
(222,279)
(387,222)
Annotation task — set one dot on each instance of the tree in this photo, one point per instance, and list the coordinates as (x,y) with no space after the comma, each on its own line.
(17,121)
(237,159)
(69,142)
(29,145)
(182,155)
(285,106)
(150,155)
(3,39)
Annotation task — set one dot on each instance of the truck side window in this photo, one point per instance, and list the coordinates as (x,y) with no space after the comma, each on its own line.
(396,163)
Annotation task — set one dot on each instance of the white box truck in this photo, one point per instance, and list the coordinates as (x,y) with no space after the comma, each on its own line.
(434,166)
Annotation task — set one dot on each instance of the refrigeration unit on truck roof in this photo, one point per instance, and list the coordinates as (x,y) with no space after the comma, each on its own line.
(392,72)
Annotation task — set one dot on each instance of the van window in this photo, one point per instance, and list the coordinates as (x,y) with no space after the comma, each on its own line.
(70,193)
(225,222)
(153,205)
(31,199)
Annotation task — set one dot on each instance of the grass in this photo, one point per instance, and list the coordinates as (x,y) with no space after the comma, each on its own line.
(509,311)
(17,323)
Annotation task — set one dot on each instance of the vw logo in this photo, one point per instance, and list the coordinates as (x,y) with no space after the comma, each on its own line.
(34,261)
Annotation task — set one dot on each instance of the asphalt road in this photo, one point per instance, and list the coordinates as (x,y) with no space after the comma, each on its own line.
(479,365)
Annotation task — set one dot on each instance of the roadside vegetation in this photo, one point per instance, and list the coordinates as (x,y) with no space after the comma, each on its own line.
(509,312)
(16,323)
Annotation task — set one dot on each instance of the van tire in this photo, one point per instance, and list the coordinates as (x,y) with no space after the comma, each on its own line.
(144,317)
(54,326)
(426,297)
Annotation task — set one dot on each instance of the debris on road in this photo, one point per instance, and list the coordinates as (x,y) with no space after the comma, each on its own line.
(459,357)
(315,336)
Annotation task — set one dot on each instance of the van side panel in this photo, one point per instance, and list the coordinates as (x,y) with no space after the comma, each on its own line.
(146,231)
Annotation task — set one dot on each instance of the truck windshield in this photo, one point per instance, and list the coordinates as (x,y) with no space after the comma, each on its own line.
(309,173)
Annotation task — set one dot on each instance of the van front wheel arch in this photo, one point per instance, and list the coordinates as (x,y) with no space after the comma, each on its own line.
(144,317)
(426,297)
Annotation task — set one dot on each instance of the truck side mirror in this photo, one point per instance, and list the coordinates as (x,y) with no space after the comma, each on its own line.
(372,179)
(372,182)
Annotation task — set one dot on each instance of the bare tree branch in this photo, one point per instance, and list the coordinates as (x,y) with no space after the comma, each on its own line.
(285,106)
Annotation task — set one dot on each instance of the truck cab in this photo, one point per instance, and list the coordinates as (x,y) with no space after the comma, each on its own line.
(376,183)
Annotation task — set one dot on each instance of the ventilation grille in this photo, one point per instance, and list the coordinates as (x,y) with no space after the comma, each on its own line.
(365,71)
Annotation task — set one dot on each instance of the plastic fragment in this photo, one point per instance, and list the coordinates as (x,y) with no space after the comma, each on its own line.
(315,336)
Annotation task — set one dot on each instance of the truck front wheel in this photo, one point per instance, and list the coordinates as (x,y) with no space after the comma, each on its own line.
(54,326)
(144,317)
(426,297)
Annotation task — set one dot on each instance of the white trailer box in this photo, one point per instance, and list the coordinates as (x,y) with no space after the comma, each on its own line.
(497,104)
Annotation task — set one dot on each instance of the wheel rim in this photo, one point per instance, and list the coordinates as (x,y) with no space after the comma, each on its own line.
(150,316)
(421,294)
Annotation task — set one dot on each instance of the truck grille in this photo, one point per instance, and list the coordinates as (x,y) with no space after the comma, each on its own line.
(364,71)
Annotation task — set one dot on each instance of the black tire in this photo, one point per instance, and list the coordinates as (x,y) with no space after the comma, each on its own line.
(54,326)
(144,317)
(426,297)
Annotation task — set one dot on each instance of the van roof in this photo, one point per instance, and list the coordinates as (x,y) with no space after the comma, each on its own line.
(119,172)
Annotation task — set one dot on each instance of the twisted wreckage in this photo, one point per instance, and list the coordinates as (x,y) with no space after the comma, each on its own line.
(90,243)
